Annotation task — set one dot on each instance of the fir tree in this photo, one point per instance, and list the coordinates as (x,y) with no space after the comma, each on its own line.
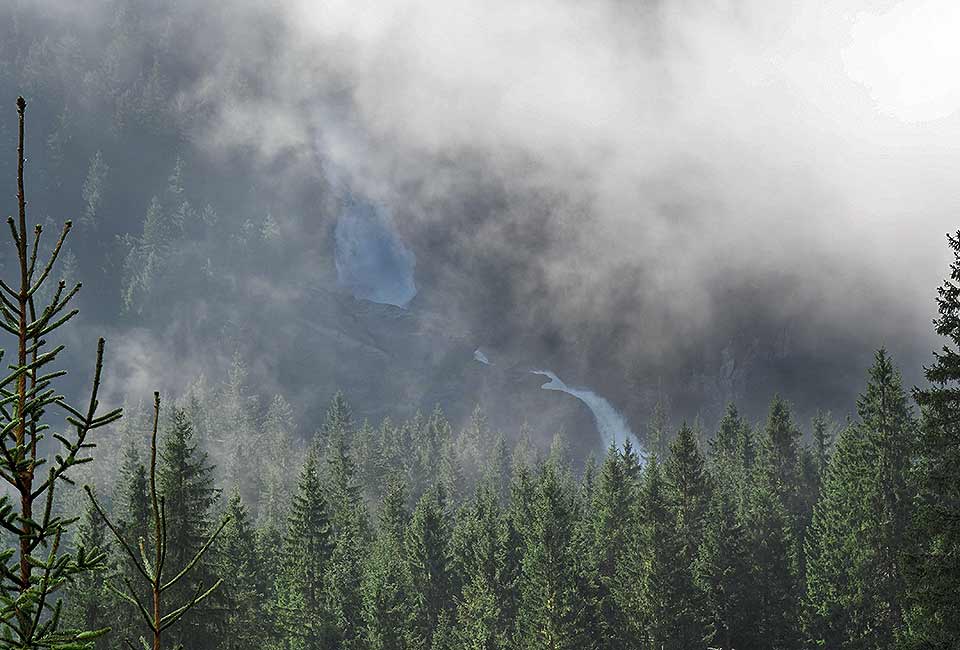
(185,480)
(661,580)
(722,572)
(36,570)
(371,470)
(936,617)
(552,609)
(497,470)
(611,528)
(833,548)
(774,587)
(481,553)
(822,442)
(304,621)
(428,565)
(858,546)
(386,586)
(159,616)
(451,477)
(234,434)
(93,189)
(279,476)
(237,560)
(344,575)
(131,510)
(87,596)
(781,440)
(348,517)
(474,445)
(338,423)
(658,430)
(725,447)
(688,492)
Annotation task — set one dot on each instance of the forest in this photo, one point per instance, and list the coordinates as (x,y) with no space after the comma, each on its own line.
(409,535)
(253,457)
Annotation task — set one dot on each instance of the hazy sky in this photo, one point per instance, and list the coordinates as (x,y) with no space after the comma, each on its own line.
(751,134)
(812,141)
(620,164)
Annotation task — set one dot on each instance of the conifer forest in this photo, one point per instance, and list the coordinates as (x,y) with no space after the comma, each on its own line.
(527,325)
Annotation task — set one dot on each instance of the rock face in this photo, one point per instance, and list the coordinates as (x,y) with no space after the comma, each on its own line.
(372,261)
(391,361)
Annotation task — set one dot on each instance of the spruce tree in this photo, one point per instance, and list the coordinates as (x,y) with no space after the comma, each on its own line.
(484,618)
(688,493)
(279,475)
(451,476)
(552,610)
(386,586)
(350,527)
(935,621)
(858,549)
(369,459)
(131,510)
(344,575)
(661,579)
(87,598)
(833,548)
(428,566)
(774,587)
(338,422)
(658,430)
(474,445)
(238,562)
(303,619)
(781,441)
(612,522)
(890,430)
(37,569)
(185,479)
(152,560)
(497,470)
(822,429)
(722,572)
(725,446)
(236,447)
(731,456)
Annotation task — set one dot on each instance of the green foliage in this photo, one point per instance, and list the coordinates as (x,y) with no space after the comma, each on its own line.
(87,598)
(35,574)
(552,610)
(131,508)
(611,527)
(150,560)
(428,565)
(185,480)
(303,619)
(722,572)
(688,493)
(278,474)
(774,587)
(481,550)
(237,560)
(386,586)
(935,619)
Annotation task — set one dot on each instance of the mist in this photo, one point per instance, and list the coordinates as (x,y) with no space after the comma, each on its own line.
(686,198)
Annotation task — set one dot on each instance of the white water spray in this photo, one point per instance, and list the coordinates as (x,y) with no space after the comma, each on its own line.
(610,423)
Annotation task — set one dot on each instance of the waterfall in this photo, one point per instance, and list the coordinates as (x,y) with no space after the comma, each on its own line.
(611,425)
